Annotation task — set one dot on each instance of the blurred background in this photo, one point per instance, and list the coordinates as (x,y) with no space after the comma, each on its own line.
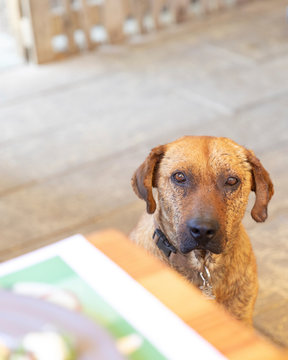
(87,88)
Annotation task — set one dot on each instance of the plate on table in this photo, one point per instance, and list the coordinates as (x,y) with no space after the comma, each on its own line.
(21,315)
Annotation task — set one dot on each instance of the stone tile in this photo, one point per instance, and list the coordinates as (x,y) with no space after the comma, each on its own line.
(270,39)
(72,134)
(273,320)
(237,89)
(22,82)
(123,218)
(89,127)
(263,128)
(67,201)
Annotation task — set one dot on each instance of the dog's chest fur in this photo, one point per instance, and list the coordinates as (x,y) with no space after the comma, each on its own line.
(190,266)
(197,265)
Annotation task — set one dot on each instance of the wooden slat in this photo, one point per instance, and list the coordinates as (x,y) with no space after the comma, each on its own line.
(140,8)
(69,27)
(94,15)
(76,19)
(14,13)
(114,17)
(86,25)
(229,336)
(57,24)
(180,8)
(127,8)
(156,7)
(41,28)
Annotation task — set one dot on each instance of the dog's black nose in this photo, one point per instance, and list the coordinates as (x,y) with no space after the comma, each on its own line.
(202,230)
(202,235)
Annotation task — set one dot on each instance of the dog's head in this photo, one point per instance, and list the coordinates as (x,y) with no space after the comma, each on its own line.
(202,184)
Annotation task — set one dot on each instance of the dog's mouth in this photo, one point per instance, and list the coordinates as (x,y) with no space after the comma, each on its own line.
(213,249)
(191,245)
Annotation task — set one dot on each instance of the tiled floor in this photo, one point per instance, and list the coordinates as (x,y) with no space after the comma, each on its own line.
(72,133)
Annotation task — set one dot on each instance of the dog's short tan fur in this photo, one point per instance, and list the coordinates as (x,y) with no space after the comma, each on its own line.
(207,162)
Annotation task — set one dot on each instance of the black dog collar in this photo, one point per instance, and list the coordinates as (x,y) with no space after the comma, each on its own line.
(163,243)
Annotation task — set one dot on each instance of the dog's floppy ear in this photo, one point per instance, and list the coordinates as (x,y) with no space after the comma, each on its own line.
(262,186)
(144,178)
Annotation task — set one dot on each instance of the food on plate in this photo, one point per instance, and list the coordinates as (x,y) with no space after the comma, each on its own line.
(42,345)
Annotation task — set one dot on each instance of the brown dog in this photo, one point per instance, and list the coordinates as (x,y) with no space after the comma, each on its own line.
(202,186)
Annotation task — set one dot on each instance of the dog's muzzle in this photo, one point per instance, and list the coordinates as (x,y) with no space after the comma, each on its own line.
(202,234)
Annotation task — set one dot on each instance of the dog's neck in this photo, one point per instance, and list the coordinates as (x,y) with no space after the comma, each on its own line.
(176,259)
(166,246)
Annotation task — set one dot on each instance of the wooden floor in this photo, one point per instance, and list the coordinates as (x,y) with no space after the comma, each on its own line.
(72,133)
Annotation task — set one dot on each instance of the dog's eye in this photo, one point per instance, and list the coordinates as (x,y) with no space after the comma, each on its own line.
(231,181)
(179,177)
